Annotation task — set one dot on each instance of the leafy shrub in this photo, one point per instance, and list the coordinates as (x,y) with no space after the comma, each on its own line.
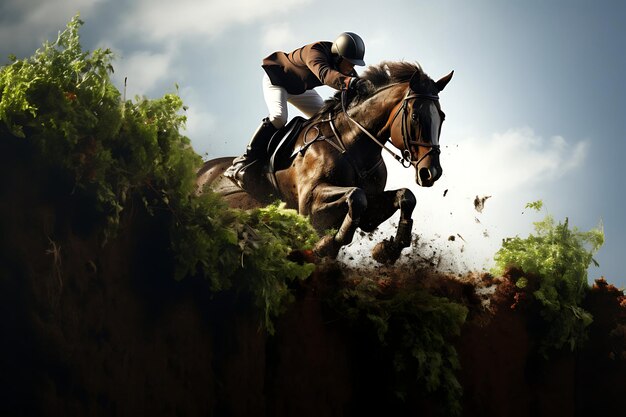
(559,257)
(244,250)
(63,102)
(271,234)
(417,329)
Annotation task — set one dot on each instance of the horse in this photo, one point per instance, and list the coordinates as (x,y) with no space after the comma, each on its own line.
(336,174)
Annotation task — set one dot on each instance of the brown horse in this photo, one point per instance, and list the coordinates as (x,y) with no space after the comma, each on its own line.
(337,176)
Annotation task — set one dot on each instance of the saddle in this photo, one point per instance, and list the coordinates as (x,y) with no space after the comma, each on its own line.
(279,149)
(280,146)
(260,175)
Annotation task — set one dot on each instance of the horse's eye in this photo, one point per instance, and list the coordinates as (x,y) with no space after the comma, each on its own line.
(414,116)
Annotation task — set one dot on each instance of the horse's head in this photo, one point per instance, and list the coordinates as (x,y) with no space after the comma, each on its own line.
(416,126)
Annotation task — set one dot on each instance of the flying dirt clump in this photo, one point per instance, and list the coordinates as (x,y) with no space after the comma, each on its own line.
(479,203)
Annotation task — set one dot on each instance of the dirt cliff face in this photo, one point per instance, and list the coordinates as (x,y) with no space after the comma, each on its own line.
(104,330)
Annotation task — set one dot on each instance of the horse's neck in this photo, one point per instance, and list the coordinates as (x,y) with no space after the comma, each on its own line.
(375,113)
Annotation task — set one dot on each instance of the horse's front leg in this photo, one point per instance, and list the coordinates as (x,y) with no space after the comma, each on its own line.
(382,208)
(334,207)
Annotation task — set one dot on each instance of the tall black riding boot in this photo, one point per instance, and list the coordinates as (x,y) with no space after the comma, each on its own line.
(257,148)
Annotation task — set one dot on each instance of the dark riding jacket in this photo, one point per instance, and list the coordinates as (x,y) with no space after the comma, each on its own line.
(305,68)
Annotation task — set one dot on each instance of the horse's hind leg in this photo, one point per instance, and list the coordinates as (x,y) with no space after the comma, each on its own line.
(336,207)
(379,210)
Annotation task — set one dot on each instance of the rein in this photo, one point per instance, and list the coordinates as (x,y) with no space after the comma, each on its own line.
(406,160)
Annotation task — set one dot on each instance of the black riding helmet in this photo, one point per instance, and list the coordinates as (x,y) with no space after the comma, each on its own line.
(351,47)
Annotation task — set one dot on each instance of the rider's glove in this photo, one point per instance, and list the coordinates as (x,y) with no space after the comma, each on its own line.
(363,87)
(351,83)
(358,85)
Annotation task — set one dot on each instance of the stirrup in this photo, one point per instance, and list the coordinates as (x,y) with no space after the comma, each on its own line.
(233,174)
(237,172)
(232,171)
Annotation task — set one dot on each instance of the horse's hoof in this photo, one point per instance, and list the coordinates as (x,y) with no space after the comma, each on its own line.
(327,247)
(386,252)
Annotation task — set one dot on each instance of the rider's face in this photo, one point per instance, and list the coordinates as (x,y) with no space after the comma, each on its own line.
(345,66)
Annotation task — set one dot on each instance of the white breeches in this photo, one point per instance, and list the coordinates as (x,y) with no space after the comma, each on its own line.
(277,97)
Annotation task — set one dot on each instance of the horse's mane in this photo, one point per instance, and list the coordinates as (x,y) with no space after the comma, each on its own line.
(381,75)
(389,72)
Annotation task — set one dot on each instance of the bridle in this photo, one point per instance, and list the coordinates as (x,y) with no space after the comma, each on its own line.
(407,156)
(407,139)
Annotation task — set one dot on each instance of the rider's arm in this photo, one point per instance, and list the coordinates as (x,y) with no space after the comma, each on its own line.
(320,62)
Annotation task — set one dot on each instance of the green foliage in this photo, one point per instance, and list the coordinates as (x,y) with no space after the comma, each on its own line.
(535,205)
(63,102)
(271,234)
(416,328)
(559,257)
(59,89)
(244,250)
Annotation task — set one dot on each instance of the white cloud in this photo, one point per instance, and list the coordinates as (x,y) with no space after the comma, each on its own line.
(143,70)
(168,25)
(511,167)
(201,124)
(275,37)
(512,160)
(164,20)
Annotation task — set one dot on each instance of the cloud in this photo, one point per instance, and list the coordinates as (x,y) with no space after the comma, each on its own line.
(45,12)
(515,159)
(23,22)
(275,37)
(143,69)
(512,167)
(165,20)
(511,161)
(160,31)
(201,124)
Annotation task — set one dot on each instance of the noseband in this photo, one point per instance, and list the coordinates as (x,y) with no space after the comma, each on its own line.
(407,156)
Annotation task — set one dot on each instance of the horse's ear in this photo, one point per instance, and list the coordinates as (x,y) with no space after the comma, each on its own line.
(441,84)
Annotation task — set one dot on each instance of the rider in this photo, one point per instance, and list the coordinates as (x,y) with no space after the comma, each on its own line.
(291,77)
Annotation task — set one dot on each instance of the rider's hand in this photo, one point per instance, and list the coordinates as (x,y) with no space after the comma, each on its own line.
(364,87)
(358,85)
(351,83)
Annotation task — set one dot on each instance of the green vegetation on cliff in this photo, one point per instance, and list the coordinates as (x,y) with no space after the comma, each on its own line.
(416,330)
(61,100)
(559,258)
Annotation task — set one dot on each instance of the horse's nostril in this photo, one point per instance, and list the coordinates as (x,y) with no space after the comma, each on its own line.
(424,174)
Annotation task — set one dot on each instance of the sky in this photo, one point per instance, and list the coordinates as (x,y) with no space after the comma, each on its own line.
(535,111)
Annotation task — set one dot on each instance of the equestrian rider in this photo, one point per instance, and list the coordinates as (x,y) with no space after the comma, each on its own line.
(291,77)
